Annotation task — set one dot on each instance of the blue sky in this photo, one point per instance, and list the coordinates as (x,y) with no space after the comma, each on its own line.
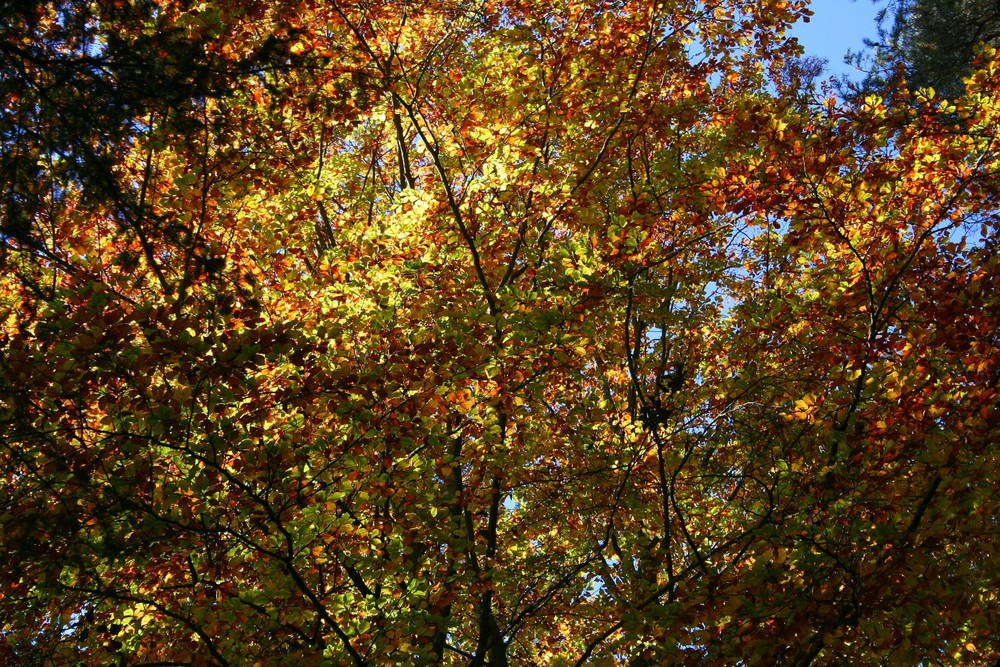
(835,27)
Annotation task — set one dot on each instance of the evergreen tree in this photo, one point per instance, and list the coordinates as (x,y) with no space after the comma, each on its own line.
(929,43)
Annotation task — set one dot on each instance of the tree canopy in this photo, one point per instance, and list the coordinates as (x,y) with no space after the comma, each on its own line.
(932,43)
(491,333)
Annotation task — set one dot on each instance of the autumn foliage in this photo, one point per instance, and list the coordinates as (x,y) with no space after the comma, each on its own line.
(492,333)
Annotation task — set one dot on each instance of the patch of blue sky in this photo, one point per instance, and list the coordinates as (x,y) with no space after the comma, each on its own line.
(836,28)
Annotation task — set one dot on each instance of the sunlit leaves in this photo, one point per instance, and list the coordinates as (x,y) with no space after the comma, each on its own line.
(508,333)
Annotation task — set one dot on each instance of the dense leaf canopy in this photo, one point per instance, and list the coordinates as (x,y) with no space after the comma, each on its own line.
(496,333)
